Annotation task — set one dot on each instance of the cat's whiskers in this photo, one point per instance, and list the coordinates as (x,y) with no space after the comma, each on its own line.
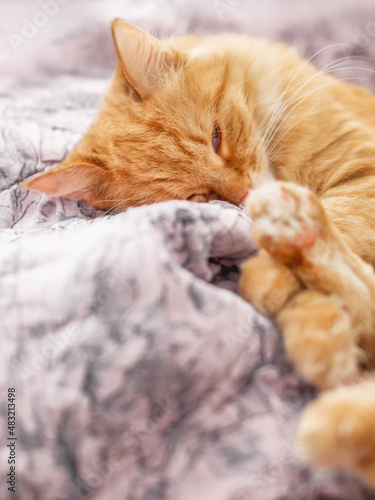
(272,130)
(330,67)
(99,210)
(327,68)
(298,71)
(302,98)
(285,105)
(145,199)
(277,112)
(120,202)
(269,139)
(306,95)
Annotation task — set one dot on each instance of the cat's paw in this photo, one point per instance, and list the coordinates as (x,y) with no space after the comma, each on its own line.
(267,284)
(287,219)
(318,338)
(337,431)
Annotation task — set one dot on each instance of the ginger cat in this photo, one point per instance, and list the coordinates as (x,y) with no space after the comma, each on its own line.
(203,118)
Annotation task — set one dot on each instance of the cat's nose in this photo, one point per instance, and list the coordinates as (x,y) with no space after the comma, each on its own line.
(244,197)
(246,194)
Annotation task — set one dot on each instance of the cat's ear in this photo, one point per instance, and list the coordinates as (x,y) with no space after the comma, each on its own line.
(75,181)
(142,57)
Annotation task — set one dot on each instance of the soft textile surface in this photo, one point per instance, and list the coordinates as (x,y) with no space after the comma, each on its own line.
(140,374)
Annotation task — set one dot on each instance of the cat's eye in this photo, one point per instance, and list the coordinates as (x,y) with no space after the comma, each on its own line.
(216,139)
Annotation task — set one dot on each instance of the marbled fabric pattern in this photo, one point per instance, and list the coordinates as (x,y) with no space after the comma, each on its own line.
(140,373)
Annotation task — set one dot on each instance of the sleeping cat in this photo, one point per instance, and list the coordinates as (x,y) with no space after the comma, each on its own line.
(202,118)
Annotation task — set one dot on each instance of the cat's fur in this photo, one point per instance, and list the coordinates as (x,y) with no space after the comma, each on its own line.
(280,120)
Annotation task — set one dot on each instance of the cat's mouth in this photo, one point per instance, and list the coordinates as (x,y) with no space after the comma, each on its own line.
(206,197)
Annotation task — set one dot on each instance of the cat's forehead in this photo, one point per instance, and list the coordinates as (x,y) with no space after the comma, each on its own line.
(210,70)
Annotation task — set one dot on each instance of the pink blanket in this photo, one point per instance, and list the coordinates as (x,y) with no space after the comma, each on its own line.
(140,373)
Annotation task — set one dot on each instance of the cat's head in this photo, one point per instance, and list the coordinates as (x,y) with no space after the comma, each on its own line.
(177,123)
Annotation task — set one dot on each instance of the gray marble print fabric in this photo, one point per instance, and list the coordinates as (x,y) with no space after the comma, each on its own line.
(140,373)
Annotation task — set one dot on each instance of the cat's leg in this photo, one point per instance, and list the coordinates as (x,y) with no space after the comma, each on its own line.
(317,331)
(337,430)
(351,208)
(290,223)
(338,305)
(267,284)
(318,338)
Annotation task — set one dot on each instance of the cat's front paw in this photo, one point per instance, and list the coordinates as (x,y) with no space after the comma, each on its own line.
(287,219)
(337,431)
